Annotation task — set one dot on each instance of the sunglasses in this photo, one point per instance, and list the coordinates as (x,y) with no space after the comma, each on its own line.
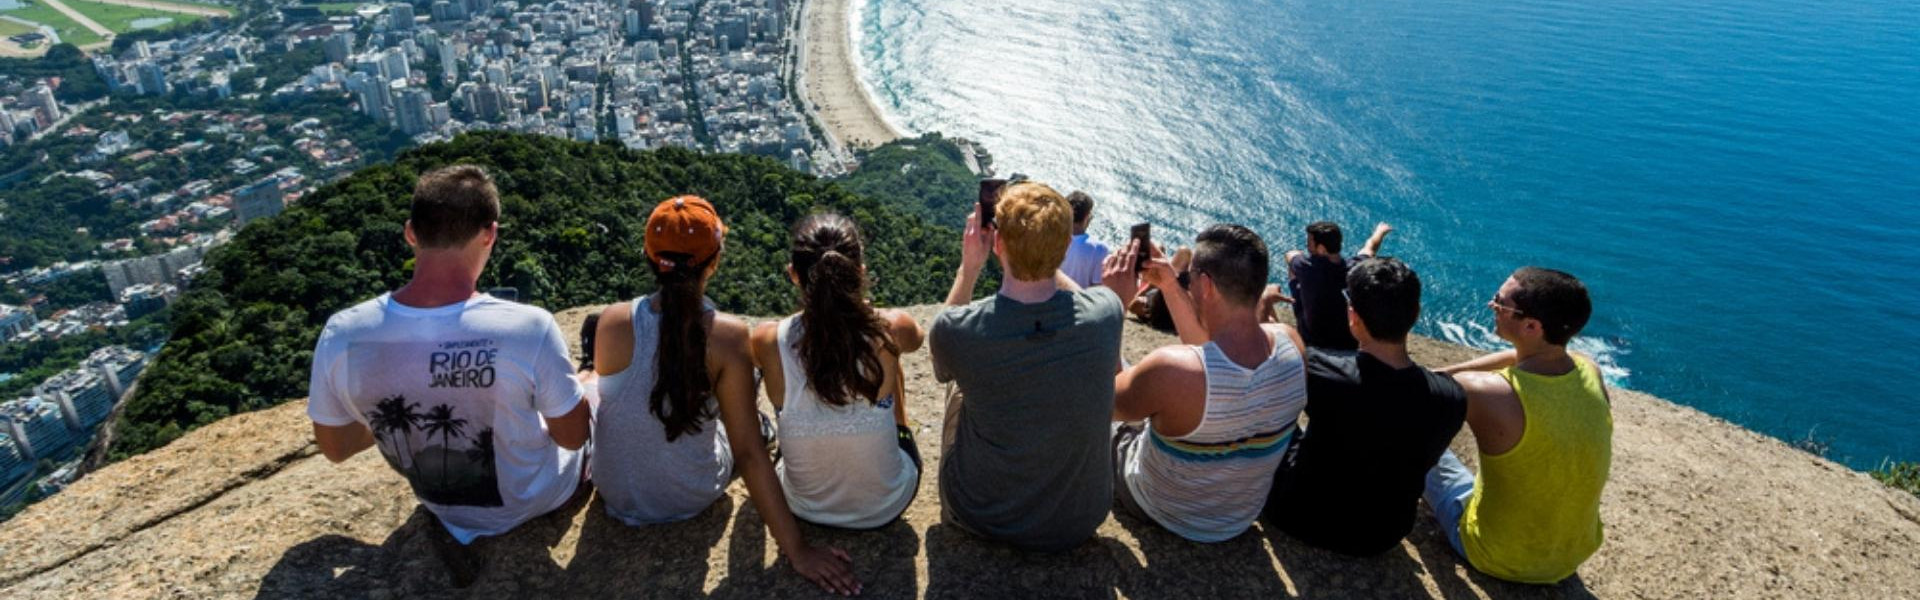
(1185,278)
(1499,306)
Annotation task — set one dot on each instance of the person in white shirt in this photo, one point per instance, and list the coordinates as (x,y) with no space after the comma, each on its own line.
(468,396)
(1084,254)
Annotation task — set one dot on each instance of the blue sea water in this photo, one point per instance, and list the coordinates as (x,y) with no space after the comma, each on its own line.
(1737,181)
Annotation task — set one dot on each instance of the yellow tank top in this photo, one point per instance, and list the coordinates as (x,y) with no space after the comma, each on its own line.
(1535,512)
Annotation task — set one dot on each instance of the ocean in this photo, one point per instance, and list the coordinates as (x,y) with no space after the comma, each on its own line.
(1737,181)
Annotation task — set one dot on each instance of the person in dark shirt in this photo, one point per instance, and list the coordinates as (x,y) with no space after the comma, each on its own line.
(1376,423)
(1316,278)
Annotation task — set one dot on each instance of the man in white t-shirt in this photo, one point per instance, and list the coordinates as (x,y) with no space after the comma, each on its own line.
(1084,254)
(468,396)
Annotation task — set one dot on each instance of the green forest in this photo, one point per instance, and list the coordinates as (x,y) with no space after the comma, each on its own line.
(571,223)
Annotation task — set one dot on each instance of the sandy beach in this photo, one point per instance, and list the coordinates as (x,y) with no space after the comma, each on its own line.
(830,81)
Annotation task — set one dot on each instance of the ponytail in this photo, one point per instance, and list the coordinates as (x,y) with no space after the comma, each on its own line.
(681,386)
(838,328)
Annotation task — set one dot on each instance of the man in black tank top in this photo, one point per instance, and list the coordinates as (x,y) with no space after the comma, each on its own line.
(1376,423)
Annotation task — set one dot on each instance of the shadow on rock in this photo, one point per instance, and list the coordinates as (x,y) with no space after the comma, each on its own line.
(1236,568)
(960,565)
(1459,581)
(615,560)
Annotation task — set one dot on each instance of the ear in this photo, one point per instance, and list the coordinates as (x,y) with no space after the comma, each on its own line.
(1356,326)
(491,234)
(407,232)
(792,277)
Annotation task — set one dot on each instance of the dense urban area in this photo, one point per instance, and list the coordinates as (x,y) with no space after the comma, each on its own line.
(130,151)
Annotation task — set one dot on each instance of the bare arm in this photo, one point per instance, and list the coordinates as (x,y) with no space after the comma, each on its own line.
(1372,248)
(976,244)
(341,443)
(731,365)
(1489,362)
(570,431)
(1493,412)
(765,347)
(1162,384)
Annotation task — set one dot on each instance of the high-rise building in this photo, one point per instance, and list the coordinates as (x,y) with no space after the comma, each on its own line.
(153,79)
(394,65)
(258,200)
(338,47)
(400,17)
(41,97)
(412,110)
(449,64)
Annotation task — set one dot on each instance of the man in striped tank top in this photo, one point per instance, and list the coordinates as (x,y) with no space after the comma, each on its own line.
(1204,426)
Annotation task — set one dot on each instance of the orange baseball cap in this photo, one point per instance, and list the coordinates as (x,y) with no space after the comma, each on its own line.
(686,225)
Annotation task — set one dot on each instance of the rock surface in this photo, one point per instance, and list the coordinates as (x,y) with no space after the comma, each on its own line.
(1697,507)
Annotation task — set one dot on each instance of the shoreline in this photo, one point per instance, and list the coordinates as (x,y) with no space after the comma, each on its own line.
(829,79)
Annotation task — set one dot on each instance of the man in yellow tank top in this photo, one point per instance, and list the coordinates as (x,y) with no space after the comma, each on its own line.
(1540,416)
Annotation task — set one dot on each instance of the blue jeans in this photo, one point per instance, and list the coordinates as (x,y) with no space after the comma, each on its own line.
(1449,486)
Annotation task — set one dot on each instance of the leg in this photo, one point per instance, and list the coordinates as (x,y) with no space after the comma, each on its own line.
(1124,435)
(1449,486)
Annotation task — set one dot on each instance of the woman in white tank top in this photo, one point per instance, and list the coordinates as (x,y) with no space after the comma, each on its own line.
(847,457)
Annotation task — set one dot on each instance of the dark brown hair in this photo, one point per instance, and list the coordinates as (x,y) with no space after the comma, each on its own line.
(838,328)
(681,387)
(1236,259)
(1555,298)
(453,204)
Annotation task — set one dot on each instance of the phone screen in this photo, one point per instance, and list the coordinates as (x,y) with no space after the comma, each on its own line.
(989,197)
(1144,233)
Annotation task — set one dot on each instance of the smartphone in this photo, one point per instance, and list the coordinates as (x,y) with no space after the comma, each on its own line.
(989,197)
(1144,233)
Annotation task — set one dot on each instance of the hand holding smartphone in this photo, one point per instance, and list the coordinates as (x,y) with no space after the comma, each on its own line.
(989,198)
(1143,249)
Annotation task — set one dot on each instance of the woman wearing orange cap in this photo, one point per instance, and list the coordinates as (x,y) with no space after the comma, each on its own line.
(669,364)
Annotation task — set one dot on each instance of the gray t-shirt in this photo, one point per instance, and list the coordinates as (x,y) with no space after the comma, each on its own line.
(1030,463)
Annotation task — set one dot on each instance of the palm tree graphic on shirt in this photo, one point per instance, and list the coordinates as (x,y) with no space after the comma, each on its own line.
(440,420)
(393,420)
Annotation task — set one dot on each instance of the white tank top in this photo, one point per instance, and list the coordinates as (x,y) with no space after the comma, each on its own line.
(1209,485)
(840,465)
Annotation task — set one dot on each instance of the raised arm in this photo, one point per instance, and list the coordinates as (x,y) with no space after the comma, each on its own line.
(976,245)
(731,365)
(1372,248)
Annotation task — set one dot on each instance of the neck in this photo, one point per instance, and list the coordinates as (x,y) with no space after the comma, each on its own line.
(438,281)
(1029,292)
(1234,324)
(1394,355)
(1542,358)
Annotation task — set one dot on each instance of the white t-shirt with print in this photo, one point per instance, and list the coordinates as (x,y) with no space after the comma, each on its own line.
(455,397)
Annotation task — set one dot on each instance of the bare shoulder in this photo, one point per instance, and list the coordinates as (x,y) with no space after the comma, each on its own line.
(765,338)
(1283,329)
(1482,386)
(903,330)
(618,312)
(1172,362)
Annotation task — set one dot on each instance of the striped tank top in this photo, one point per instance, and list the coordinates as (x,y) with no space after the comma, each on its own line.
(1209,485)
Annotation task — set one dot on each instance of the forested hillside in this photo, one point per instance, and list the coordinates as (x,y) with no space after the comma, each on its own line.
(572,217)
